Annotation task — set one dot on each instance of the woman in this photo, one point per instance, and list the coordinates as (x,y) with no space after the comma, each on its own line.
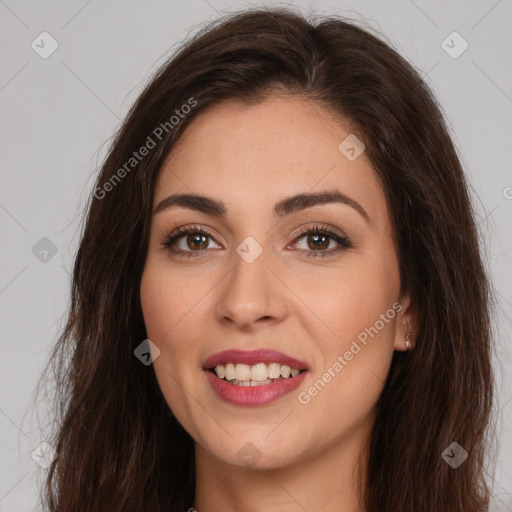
(278,302)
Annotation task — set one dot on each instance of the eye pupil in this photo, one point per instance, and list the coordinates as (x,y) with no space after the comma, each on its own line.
(196,239)
(317,238)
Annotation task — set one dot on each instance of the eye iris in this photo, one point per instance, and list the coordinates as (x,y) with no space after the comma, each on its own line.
(322,244)
(196,239)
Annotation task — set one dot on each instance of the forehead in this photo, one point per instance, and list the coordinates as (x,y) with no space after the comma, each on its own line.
(256,154)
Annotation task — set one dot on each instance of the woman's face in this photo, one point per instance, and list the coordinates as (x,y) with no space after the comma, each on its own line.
(265,269)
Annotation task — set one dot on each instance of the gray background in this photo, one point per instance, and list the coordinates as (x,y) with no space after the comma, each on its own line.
(58,113)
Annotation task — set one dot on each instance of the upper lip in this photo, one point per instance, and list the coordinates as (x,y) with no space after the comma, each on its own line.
(251,357)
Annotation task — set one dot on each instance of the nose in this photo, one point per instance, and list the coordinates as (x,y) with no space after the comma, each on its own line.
(251,295)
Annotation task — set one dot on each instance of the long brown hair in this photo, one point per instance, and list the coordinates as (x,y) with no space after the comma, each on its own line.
(119,446)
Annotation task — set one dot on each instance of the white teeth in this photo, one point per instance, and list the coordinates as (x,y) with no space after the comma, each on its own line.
(242,372)
(220,370)
(250,383)
(230,371)
(285,371)
(258,374)
(261,383)
(274,370)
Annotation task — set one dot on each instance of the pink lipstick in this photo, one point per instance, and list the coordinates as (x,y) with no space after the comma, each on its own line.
(253,378)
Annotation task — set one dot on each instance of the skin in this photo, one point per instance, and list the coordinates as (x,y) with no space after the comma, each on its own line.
(251,157)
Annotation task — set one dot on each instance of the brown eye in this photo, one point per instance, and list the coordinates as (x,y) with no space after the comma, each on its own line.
(188,240)
(318,241)
(197,241)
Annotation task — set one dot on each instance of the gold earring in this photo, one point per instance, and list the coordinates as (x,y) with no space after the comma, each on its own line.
(408,344)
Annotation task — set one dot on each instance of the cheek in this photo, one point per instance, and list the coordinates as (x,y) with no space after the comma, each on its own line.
(156,306)
(353,298)
(174,303)
(170,324)
(167,300)
(162,312)
(358,309)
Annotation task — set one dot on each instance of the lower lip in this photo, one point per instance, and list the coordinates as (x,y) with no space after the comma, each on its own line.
(254,395)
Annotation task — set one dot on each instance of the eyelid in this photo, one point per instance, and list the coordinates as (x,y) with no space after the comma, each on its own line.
(318,226)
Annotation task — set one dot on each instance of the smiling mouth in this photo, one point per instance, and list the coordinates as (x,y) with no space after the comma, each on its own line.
(260,374)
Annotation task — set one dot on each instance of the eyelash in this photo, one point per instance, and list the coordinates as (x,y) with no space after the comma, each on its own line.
(343,242)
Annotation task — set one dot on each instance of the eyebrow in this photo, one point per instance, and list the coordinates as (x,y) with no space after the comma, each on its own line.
(284,207)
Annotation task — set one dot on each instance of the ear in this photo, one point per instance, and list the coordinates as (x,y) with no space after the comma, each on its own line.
(405,325)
